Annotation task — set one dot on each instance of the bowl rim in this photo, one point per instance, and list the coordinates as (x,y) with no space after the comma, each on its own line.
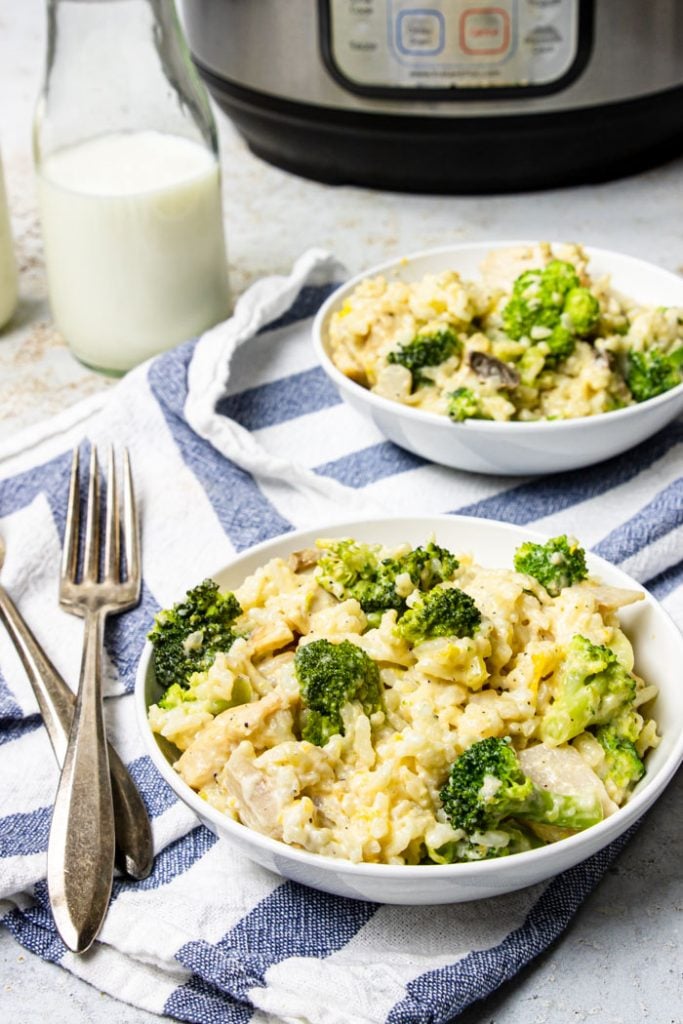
(475,426)
(554,855)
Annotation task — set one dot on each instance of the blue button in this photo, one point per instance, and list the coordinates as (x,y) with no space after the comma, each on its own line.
(420,32)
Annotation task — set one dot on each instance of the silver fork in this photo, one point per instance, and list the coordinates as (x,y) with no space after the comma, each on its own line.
(81,847)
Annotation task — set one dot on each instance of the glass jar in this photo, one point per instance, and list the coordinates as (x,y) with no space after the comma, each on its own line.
(129,183)
(8,267)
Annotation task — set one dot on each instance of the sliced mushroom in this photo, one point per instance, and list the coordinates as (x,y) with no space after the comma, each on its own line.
(305,559)
(490,368)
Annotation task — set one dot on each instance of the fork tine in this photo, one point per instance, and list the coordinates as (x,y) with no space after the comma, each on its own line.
(112,551)
(91,561)
(69,566)
(131,524)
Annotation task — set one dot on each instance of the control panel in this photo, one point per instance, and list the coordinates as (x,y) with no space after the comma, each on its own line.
(445,44)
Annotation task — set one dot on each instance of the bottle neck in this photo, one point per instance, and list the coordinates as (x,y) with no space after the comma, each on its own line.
(118,66)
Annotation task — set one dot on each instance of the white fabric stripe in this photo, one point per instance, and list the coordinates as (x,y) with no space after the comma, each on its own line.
(330,434)
(126,979)
(20,874)
(431,489)
(273,356)
(673,604)
(50,436)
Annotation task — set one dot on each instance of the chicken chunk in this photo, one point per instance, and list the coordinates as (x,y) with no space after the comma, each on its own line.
(209,751)
(563,770)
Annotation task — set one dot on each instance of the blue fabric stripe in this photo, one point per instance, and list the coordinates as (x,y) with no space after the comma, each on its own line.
(664,583)
(292,921)
(124,637)
(307,303)
(15,727)
(370,464)
(157,795)
(438,996)
(200,1003)
(659,517)
(34,927)
(280,400)
(9,708)
(172,861)
(557,492)
(244,512)
(24,834)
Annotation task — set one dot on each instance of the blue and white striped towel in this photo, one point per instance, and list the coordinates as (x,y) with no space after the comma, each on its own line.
(212,428)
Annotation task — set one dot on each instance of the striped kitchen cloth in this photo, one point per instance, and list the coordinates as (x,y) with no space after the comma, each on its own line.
(234,439)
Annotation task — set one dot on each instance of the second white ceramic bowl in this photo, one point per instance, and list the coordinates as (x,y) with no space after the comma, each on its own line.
(659,655)
(517,449)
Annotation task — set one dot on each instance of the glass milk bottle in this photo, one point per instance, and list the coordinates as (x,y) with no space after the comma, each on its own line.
(129,182)
(8,267)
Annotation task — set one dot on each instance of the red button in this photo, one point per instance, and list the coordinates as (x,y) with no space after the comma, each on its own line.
(485,31)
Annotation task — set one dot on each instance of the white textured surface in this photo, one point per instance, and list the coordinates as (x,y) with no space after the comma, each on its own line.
(620,961)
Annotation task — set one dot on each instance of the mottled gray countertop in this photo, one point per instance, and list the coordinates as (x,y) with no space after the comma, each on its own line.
(620,961)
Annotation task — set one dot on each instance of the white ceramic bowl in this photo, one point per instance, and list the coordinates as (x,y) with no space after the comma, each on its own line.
(509,448)
(659,655)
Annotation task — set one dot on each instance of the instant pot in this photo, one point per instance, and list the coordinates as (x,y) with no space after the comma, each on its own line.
(448,95)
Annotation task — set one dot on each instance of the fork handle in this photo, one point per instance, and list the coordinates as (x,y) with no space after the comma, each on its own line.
(135,851)
(80,856)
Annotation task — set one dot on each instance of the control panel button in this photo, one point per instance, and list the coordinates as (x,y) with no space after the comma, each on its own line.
(420,32)
(485,31)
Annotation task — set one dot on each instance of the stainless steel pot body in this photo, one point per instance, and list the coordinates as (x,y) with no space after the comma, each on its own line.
(460,63)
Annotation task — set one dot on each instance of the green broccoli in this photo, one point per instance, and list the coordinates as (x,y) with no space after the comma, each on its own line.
(501,843)
(426,566)
(554,300)
(348,568)
(486,785)
(443,611)
(653,372)
(330,676)
(582,310)
(593,687)
(618,739)
(426,350)
(558,563)
(463,404)
(187,637)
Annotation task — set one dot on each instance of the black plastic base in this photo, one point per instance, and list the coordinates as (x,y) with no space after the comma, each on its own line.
(449,155)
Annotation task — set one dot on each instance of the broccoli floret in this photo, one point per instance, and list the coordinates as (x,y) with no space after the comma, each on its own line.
(486,785)
(351,569)
(499,843)
(426,350)
(653,372)
(426,565)
(583,311)
(554,300)
(624,766)
(330,676)
(558,563)
(593,688)
(538,298)
(443,611)
(463,404)
(188,636)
